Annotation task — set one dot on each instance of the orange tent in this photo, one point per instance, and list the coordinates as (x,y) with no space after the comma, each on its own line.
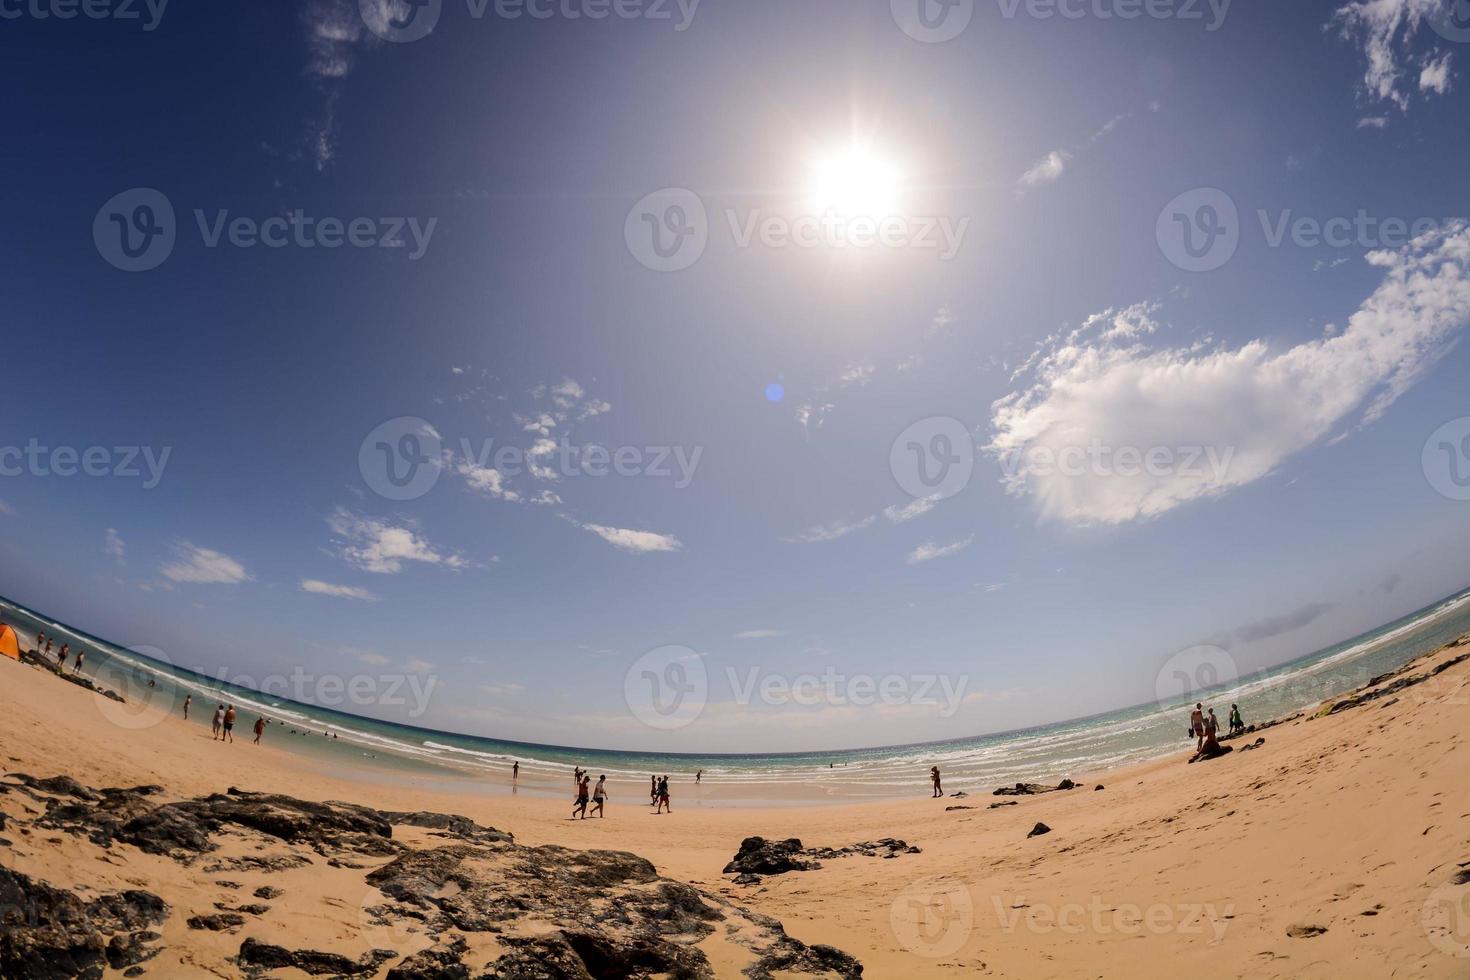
(9,645)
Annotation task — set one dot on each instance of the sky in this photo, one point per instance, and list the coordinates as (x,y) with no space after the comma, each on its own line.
(1003,349)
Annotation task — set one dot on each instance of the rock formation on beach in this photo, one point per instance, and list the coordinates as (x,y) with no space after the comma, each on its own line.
(472,901)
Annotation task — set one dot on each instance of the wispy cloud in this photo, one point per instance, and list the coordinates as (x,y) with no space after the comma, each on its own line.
(758,634)
(382,546)
(318,587)
(203,566)
(1246,409)
(1386,32)
(634,542)
(112,544)
(1285,623)
(928,551)
(1046,170)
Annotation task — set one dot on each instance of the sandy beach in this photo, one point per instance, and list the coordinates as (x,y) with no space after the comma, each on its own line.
(1331,849)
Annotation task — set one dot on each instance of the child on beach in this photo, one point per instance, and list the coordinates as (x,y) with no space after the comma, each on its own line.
(1237,725)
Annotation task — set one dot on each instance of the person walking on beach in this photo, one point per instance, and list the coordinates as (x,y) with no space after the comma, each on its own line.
(580,807)
(219,720)
(1197,725)
(61,657)
(76,666)
(48,646)
(653,791)
(188,699)
(934,778)
(515,771)
(698,776)
(1212,724)
(228,727)
(599,795)
(259,729)
(1237,725)
(663,797)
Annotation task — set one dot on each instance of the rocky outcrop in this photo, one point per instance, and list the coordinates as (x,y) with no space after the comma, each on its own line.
(759,856)
(1038,830)
(554,912)
(47,932)
(1033,789)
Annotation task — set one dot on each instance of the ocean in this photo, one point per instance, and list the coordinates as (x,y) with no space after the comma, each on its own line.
(351,745)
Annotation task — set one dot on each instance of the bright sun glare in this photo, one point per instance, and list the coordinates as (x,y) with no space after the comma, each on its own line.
(856,183)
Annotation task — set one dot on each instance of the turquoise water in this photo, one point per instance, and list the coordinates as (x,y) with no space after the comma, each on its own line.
(1045,753)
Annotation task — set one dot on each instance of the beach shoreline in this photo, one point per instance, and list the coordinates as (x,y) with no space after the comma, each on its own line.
(1354,824)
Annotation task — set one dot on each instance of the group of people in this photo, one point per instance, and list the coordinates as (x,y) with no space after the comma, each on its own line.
(43,646)
(1205,727)
(223,723)
(585,790)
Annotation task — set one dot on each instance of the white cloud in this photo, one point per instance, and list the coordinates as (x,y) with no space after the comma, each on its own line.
(758,634)
(417,666)
(636,542)
(928,551)
(1385,30)
(1435,75)
(831,532)
(380,546)
(1373,122)
(1047,169)
(112,544)
(319,587)
(900,513)
(1249,407)
(369,657)
(203,566)
(856,374)
(486,479)
(503,690)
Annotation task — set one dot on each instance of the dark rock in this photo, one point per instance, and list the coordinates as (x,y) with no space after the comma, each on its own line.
(134,971)
(1097,787)
(266,865)
(1303,931)
(1038,830)
(888,847)
(45,932)
(441,962)
(254,908)
(789,956)
(1066,784)
(949,808)
(1003,803)
(769,857)
(129,910)
(216,921)
(453,825)
(746,878)
(267,892)
(255,956)
(129,949)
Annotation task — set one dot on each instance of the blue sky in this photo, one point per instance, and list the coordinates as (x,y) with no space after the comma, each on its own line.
(510,159)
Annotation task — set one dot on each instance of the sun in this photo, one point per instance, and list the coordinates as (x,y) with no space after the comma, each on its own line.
(856,182)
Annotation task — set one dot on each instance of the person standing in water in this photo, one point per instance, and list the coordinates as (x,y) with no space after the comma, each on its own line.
(76,666)
(698,776)
(61,657)
(1197,725)
(229,724)
(599,795)
(188,699)
(515,771)
(218,721)
(934,778)
(259,729)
